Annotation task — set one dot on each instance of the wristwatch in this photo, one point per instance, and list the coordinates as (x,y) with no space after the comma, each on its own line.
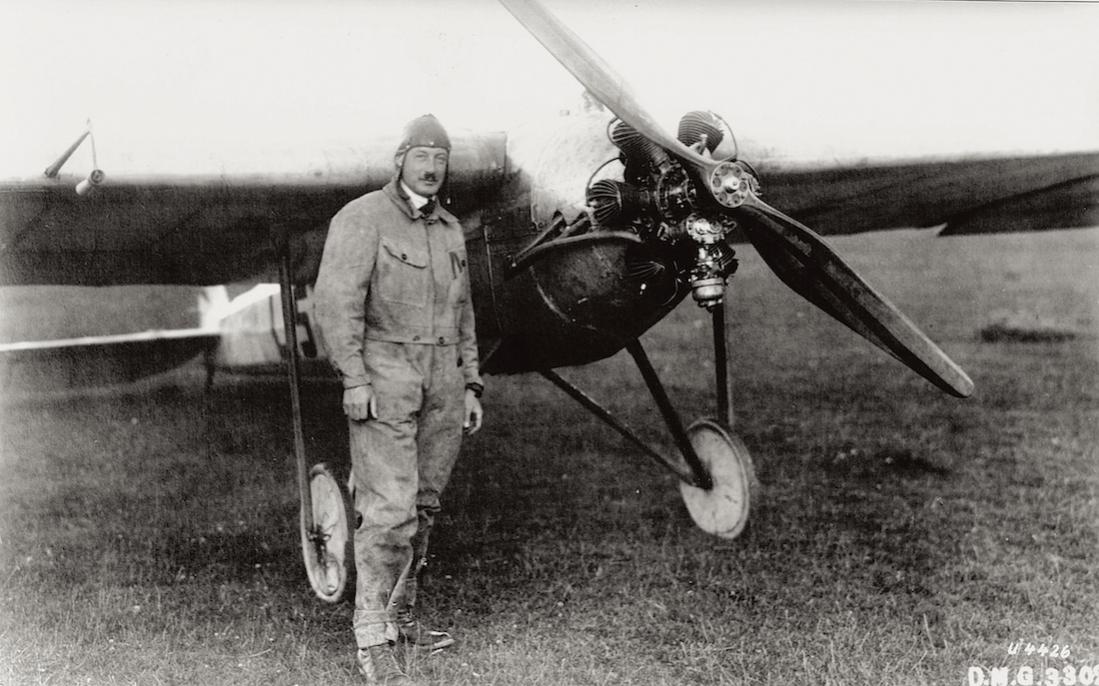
(477,388)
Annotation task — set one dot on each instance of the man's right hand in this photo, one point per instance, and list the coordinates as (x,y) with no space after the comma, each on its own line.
(359,403)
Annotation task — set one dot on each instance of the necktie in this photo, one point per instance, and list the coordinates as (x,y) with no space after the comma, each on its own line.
(428,208)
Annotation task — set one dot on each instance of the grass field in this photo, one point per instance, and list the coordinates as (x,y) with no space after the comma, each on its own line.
(902,536)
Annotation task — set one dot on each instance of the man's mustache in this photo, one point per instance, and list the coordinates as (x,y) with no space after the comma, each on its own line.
(429,176)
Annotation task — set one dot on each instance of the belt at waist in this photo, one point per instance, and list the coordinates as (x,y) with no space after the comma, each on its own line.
(420,339)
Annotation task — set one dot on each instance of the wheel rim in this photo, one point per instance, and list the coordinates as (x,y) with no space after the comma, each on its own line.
(722,510)
(326,550)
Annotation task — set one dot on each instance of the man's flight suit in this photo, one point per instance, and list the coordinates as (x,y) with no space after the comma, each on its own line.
(393,304)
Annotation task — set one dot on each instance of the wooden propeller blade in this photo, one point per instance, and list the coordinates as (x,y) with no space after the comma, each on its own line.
(793,251)
(596,75)
(806,264)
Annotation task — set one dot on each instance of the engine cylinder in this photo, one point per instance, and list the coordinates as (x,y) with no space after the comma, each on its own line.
(638,148)
(614,202)
(698,124)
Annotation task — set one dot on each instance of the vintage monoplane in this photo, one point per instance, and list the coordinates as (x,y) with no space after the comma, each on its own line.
(564,271)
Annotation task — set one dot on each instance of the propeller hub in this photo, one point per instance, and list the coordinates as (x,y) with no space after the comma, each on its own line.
(731,184)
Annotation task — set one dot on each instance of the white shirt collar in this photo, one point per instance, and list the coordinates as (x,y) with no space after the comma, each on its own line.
(417,200)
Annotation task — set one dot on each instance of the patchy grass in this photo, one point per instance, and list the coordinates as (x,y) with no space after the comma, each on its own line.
(902,536)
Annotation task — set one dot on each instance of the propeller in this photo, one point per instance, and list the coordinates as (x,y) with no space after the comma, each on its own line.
(797,255)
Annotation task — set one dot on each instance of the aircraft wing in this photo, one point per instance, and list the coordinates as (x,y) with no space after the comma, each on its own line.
(967,194)
(204,226)
(215,227)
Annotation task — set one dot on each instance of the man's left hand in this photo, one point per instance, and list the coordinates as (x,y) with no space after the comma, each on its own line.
(474,413)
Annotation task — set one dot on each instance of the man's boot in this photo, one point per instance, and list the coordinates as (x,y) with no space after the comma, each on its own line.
(409,630)
(379,665)
(412,633)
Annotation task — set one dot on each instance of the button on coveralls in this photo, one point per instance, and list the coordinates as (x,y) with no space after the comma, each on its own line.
(393,305)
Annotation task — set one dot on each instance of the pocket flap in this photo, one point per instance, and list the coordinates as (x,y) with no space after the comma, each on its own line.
(406,255)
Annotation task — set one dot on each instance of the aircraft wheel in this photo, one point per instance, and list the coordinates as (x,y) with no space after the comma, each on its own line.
(329,553)
(722,510)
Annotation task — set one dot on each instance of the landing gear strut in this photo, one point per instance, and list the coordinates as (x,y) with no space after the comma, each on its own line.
(721,510)
(325,518)
(716,475)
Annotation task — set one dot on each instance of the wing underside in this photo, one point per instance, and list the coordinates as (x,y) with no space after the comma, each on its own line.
(966,195)
(203,228)
(193,230)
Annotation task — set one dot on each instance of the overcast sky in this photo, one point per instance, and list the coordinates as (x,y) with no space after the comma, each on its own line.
(876,78)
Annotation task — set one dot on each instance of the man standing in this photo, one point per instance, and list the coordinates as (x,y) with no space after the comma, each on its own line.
(393,305)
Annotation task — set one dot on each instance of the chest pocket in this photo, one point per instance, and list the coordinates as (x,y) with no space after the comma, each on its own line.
(401,274)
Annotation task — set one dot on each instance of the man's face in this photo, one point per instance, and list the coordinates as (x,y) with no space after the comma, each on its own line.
(424,169)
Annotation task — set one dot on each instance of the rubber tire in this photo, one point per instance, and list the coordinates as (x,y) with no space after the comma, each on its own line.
(723,510)
(331,582)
